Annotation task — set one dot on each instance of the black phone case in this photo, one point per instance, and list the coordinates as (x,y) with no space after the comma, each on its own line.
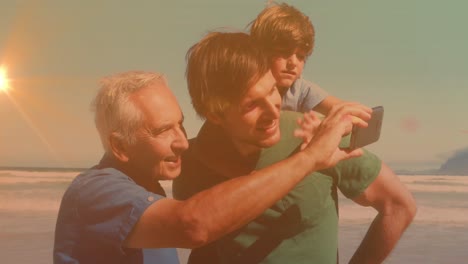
(361,136)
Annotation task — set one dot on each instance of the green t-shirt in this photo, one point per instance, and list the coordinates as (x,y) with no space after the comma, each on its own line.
(302,227)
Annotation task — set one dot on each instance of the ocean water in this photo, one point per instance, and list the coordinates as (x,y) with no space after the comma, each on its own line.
(29,200)
(439,233)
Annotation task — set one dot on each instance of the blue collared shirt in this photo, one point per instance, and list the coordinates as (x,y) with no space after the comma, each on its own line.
(98,211)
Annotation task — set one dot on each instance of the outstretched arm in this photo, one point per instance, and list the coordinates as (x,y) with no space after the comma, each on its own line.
(396,209)
(230,205)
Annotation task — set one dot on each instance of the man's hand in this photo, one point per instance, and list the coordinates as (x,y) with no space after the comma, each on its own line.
(323,146)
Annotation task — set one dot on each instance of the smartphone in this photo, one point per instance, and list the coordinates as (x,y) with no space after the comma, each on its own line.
(363,136)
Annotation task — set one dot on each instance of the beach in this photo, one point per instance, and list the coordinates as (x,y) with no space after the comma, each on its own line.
(30,198)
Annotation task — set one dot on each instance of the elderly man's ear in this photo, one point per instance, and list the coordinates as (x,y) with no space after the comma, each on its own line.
(118,147)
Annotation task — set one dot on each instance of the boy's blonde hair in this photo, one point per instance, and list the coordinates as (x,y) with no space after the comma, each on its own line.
(281,28)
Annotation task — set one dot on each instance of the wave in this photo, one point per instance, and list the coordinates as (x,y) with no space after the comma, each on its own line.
(39,193)
(55,169)
(440,199)
(27,201)
(436,184)
(28,173)
(31,188)
(34,180)
(27,204)
(454,216)
(22,190)
(15,177)
(8,177)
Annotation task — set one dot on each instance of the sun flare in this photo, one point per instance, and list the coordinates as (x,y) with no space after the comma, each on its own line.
(3,80)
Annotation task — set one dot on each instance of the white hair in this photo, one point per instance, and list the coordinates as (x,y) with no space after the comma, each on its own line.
(114,111)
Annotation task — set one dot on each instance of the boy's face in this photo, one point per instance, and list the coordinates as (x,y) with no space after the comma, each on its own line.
(287,67)
(254,122)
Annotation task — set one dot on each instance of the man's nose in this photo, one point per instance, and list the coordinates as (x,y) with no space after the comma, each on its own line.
(273,108)
(180,143)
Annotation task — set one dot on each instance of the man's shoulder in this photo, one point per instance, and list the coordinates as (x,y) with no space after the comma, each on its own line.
(189,154)
(288,143)
(100,176)
(288,123)
(195,174)
(288,118)
(191,158)
(108,186)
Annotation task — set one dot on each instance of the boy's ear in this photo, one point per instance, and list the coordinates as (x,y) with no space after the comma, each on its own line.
(118,147)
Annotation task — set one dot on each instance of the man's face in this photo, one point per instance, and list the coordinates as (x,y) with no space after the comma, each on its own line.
(161,139)
(254,122)
(287,67)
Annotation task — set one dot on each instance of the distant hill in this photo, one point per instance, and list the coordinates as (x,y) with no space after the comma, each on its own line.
(457,164)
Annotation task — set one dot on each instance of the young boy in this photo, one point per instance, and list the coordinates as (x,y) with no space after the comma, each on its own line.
(288,37)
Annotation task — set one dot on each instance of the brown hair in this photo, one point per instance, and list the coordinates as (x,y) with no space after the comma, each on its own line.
(281,28)
(221,68)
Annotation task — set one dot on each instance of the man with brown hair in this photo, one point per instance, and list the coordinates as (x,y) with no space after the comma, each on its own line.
(232,87)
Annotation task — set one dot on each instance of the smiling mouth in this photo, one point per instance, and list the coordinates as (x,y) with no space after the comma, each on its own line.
(270,128)
(173,160)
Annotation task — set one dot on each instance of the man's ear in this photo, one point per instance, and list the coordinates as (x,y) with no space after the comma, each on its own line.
(118,147)
(215,118)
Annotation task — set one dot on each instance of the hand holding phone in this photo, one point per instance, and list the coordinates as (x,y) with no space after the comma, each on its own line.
(363,136)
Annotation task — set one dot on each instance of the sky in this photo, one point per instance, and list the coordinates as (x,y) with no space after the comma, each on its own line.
(409,56)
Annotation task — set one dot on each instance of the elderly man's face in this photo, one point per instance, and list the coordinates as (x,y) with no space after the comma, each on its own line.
(254,122)
(161,139)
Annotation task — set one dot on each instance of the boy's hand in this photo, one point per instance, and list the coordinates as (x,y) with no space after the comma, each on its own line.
(307,126)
